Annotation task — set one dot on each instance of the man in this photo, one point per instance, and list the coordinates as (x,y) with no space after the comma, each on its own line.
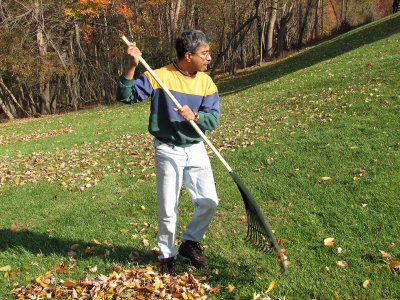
(180,154)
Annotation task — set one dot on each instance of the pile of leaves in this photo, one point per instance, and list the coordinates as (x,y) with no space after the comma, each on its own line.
(140,283)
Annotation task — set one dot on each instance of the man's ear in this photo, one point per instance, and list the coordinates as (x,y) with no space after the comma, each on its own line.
(188,56)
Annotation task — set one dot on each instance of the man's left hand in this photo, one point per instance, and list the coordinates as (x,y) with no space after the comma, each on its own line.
(186,112)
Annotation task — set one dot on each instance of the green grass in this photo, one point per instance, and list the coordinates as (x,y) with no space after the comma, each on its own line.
(330,111)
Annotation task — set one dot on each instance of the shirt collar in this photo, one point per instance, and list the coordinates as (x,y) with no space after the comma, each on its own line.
(186,73)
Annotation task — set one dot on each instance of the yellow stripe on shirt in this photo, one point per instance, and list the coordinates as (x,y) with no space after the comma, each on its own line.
(199,85)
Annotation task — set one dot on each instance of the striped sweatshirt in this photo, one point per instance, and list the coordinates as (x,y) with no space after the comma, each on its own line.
(198,92)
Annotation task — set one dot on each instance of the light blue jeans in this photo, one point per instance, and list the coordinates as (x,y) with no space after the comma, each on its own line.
(190,165)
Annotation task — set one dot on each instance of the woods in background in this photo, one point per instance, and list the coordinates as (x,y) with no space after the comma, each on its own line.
(62,55)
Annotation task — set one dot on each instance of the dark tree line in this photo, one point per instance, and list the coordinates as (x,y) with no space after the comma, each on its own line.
(58,55)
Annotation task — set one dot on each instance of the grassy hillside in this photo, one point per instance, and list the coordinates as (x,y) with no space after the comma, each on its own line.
(315,138)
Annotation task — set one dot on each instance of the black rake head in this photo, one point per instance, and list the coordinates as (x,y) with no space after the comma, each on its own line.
(259,232)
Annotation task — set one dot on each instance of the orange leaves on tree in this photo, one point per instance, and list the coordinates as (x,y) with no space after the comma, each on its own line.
(88,8)
(153,3)
(123,10)
(95,8)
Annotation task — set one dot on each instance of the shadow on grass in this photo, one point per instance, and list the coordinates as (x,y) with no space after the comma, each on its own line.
(35,243)
(325,51)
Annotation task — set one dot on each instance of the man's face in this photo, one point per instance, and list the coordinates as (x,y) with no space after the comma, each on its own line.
(201,58)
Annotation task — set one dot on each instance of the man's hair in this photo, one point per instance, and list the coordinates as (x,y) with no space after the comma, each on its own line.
(188,41)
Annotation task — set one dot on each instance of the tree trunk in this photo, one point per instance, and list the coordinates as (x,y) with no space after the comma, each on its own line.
(335,13)
(174,9)
(316,23)
(261,30)
(287,14)
(271,27)
(343,19)
(303,23)
(44,86)
(322,18)
(10,107)
(6,109)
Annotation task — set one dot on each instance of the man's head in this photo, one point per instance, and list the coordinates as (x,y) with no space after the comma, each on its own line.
(193,49)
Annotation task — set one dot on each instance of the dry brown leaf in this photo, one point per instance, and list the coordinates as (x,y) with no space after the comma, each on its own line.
(341,263)
(270,286)
(230,288)
(6,268)
(329,241)
(124,230)
(92,269)
(13,227)
(336,295)
(385,254)
(68,284)
(366,284)
(95,242)
(394,266)
(74,246)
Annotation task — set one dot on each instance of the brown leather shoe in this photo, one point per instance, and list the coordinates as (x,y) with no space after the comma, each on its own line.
(167,266)
(193,251)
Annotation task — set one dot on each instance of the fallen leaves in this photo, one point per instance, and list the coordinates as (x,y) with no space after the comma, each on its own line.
(384,254)
(6,268)
(341,263)
(270,286)
(230,288)
(329,241)
(92,269)
(366,283)
(145,242)
(124,230)
(80,166)
(34,136)
(139,283)
(13,227)
(264,295)
(394,266)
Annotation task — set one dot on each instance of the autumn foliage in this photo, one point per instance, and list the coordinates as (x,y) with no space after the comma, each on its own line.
(70,53)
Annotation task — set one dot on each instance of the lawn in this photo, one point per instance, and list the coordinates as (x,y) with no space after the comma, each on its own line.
(315,138)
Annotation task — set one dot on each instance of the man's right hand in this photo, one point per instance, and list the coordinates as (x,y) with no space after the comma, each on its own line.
(133,54)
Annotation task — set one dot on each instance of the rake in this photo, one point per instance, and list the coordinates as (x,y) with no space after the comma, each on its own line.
(259,231)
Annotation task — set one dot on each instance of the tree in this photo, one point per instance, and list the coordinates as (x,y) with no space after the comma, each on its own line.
(61,55)
(271,28)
